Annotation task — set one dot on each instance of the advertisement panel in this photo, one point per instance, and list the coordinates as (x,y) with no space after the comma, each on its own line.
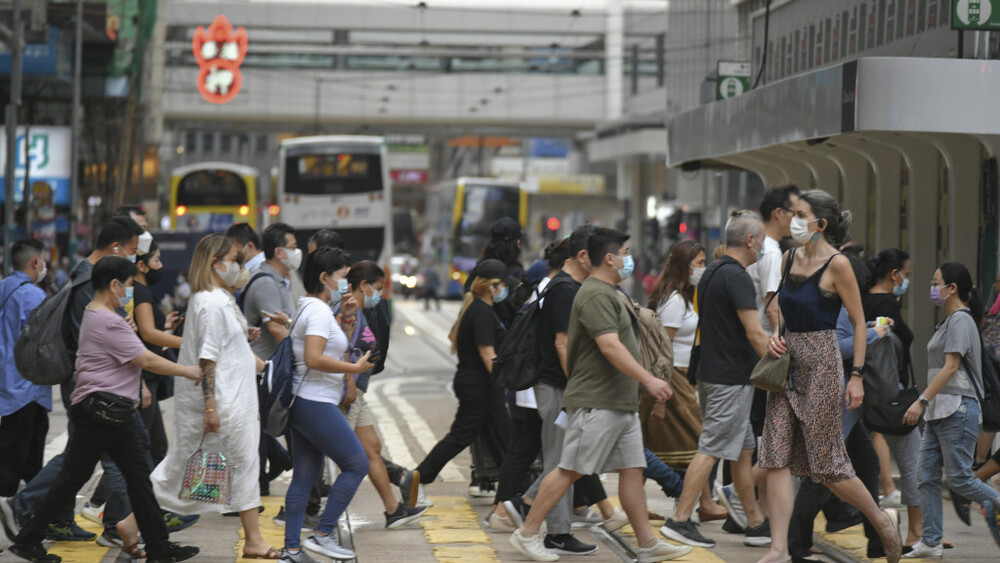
(48,152)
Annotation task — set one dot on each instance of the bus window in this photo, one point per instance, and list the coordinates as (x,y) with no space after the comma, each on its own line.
(206,188)
(483,205)
(333,174)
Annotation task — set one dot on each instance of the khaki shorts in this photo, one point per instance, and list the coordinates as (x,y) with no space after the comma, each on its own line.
(600,440)
(359,414)
(725,420)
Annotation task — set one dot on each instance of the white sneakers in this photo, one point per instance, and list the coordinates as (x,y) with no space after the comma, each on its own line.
(617,521)
(500,523)
(93,513)
(924,551)
(892,500)
(662,551)
(532,547)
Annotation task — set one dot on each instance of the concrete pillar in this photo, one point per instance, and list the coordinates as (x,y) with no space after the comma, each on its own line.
(795,170)
(883,217)
(614,39)
(826,175)
(962,154)
(769,174)
(854,173)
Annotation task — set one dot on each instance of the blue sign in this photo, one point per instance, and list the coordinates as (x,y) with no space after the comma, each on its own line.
(51,58)
(545,147)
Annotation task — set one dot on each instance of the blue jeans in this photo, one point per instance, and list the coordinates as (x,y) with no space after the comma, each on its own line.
(317,431)
(949,443)
(668,479)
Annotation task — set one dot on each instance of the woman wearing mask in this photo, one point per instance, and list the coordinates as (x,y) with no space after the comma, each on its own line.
(475,337)
(223,411)
(803,427)
(673,300)
(317,428)
(891,277)
(366,281)
(950,406)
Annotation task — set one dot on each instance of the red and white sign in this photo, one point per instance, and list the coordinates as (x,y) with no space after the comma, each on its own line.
(219,52)
(409,176)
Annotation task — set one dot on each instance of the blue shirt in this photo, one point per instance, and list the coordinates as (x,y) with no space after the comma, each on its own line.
(845,341)
(15,391)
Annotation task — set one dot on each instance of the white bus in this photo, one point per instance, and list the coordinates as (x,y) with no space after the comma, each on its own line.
(342,183)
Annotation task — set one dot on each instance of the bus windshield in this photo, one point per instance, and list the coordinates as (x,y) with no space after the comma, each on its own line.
(336,173)
(212,188)
(482,206)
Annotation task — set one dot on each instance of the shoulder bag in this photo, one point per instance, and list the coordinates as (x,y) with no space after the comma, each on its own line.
(770,373)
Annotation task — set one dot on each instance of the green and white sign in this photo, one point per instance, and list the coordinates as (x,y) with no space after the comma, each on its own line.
(734,79)
(982,15)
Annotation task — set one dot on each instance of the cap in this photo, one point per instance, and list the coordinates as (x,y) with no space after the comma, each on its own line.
(492,268)
(505,228)
(537,271)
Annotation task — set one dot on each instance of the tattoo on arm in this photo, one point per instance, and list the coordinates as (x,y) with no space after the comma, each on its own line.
(208,379)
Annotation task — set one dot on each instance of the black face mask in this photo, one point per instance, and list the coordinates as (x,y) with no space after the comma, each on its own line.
(153,277)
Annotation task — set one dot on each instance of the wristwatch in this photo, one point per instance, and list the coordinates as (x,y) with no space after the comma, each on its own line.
(858,370)
(924,400)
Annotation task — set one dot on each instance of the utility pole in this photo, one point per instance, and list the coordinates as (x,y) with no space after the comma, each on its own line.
(74,173)
(10,170)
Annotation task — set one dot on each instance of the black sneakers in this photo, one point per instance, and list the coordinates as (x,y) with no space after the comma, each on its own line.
(731,526)
(174,552)
(403,515)
(758,536)
(567,544)
(686,533)
(35,553)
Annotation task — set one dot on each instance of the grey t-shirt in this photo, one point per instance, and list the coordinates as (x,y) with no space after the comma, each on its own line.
(956,335)
(267,293)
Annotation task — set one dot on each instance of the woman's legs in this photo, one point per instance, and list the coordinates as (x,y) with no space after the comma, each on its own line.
(906,451)
(307,464)
(781,501)
(376,467)
(884,462)
(475,402)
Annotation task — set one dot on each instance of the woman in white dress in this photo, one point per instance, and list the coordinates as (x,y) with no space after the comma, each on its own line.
(223,409)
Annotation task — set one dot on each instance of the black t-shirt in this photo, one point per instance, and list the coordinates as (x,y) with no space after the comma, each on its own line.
(554,318)
(479,327)
(727,357)
(142,294)
(887,305)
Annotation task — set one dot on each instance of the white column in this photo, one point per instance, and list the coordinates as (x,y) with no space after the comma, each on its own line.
(614,38)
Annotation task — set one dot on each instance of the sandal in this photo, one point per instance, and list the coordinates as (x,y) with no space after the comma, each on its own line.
(272,553)
(134,551)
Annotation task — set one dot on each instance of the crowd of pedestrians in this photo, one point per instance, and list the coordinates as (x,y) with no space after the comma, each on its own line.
(662,393)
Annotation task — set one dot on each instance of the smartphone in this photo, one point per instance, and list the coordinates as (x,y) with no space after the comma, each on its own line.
(265,316)
(376,356)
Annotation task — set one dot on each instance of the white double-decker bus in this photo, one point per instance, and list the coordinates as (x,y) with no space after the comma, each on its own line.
(339,182)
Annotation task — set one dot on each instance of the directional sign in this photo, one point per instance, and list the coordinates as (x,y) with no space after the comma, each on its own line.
(734,79)
(976,14)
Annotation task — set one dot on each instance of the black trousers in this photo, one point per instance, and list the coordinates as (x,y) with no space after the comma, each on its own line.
(813,497)
(22,446)
(481,408)
(152,417)
(89,441)
(522,450)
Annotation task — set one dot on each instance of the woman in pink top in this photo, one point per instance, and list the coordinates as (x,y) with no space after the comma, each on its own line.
(109,362)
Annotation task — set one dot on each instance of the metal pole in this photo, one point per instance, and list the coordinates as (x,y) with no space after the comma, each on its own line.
(961,44)
(10,170)
(74,173)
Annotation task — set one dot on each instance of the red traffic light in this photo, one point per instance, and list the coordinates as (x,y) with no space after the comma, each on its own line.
(683,228)
(552,223)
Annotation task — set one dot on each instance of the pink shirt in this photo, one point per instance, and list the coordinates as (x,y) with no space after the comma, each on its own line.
(107,345)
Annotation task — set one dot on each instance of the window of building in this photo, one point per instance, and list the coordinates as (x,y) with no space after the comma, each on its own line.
(852,38)
(932,14)
(943,13)
(826,41)
(260,145)
(921,16)
(225,143)
(796,51)
(901,18)
(890,21)
(844,27)
(774,62)
(862,26)
(243,145)
(207,142)
(190,141)
(871,29)
(880,34)
(911,17)
(812,47)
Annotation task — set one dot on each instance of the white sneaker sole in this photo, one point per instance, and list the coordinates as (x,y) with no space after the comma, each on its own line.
(757,542)
(405,521)
(680,551)
(671,534)
(313,546)
(512,512)
(516,544)
(724,501)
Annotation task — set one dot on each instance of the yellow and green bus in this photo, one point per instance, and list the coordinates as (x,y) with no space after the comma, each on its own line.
(211,196)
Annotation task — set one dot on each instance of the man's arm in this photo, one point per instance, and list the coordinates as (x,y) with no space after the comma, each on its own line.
(772,313)
(562,339)
(619,356)
(755,330)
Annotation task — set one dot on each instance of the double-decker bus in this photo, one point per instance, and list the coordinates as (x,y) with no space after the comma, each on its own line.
(211,196)
(342,183)
(458,216)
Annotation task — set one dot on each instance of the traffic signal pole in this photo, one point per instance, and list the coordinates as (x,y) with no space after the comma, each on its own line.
(10,170)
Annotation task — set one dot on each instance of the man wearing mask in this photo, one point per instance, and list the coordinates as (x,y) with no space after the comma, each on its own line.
(245,236)
(732,341)
(24,406)
(267,303)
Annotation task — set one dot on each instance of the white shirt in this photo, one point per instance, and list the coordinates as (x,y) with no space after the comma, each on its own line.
(252,264)
(766,276)
(316,319)
(676,313)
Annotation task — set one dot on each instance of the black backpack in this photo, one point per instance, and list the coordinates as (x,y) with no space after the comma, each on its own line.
(41,354)
(242,297)
(518,363)
(989,395)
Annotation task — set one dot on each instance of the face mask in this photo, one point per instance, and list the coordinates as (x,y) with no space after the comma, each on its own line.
(180,280)
(694,278)
(760,253)
(800,230)
(153,277)
(145,240)
(936,298)
(373,299)
(900,290)
(628,265)
(502,295)
(342,286)
(124,301)
(242,278)
(336,294)
(41,275)
(292,258)
(230,275)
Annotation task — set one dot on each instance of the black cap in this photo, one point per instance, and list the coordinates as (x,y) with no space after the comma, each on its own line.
(495,269)
(506,228)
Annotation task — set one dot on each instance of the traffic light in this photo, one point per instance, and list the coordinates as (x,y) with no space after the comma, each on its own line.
(550,228)
(676,227)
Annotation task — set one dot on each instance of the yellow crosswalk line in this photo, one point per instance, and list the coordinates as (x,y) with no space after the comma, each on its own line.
(81,551)
(451,527)
(274,535)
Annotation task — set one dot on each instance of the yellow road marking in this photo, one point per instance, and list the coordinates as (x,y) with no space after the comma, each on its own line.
(451,526)
(81,551)
(274,535)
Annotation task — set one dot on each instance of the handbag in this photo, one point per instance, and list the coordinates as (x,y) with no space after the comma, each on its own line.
(881,379)
(770,373)
(888,418)
(206,477)
(108,409)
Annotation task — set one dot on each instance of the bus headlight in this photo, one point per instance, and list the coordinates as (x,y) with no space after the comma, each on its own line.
(181,210)
(273,210)
(244,210)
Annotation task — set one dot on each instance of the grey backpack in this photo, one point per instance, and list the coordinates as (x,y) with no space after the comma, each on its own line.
(41,354)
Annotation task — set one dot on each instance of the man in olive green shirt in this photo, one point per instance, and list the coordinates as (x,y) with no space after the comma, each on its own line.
(602,433)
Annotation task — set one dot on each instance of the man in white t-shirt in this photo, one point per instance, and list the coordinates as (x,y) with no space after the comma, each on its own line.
(776,210)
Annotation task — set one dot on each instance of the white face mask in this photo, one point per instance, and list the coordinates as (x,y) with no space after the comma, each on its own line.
(41,275)
(799,228)
(231,273)
(694,278)
(292,259)
(145,240)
